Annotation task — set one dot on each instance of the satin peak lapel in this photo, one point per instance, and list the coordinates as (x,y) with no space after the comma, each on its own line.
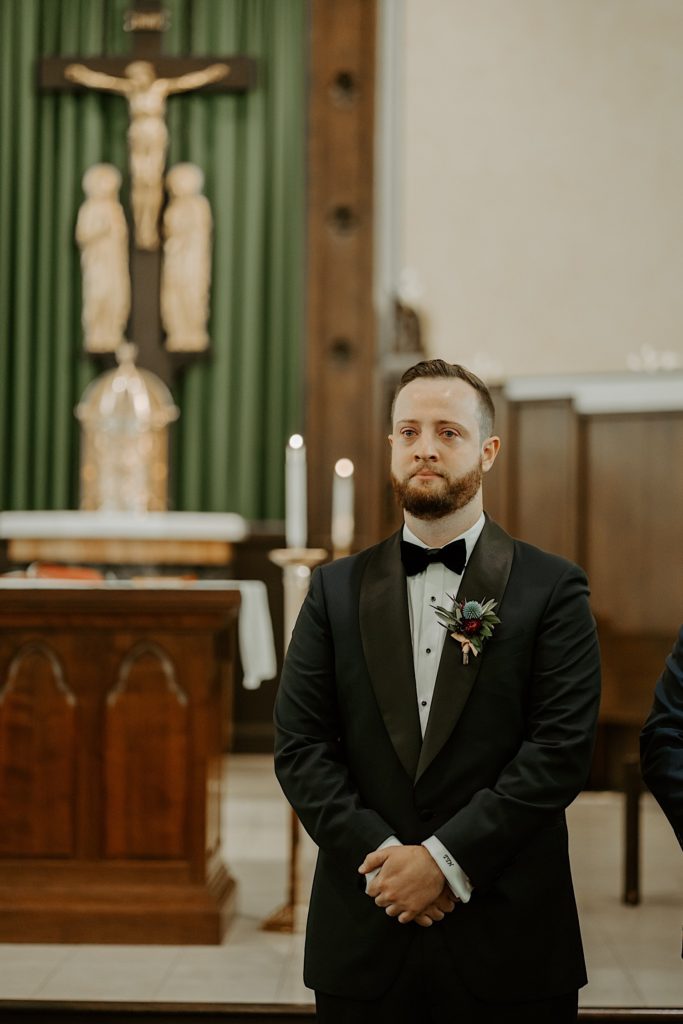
(388,649)
(486,575)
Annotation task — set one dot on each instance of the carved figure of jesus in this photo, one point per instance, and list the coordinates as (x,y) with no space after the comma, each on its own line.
(102,236)
(147,132)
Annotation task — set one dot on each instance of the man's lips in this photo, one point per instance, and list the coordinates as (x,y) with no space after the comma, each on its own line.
(426,474)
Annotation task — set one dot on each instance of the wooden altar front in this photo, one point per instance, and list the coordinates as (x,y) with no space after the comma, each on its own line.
(112,698)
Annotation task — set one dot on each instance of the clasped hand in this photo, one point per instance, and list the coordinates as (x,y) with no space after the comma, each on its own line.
(409,886)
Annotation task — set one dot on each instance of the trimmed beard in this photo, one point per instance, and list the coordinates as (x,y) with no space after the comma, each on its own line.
(431,504)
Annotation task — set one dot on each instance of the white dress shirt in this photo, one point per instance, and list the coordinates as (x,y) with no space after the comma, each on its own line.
(436,585)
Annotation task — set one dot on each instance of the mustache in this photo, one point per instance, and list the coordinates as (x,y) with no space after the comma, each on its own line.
(426,466)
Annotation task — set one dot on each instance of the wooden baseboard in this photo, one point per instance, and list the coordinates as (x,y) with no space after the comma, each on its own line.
(632,1015)
(76,910)
(34,1011)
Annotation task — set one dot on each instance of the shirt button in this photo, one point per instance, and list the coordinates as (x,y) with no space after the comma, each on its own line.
(429,650)
(432,599)
(424,703)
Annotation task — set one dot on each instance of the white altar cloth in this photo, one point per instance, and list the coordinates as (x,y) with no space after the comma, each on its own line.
(255,628)
(224,526)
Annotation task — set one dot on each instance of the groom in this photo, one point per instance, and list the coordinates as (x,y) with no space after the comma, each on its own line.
(432,766)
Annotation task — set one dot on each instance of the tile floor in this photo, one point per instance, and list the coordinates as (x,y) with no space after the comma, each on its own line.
(633,953)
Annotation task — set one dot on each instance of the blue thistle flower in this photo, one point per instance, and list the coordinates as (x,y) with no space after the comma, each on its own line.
(472,610)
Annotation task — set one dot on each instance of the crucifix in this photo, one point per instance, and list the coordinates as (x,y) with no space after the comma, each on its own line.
(146,79)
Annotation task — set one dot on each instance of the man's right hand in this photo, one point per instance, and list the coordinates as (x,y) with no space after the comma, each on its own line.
(443,905)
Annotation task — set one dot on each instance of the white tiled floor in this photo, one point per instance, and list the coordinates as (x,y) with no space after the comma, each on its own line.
(633,953)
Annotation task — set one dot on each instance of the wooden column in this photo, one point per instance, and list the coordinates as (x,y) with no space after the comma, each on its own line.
(341,419)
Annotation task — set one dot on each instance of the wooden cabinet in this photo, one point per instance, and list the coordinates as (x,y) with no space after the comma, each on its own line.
(112,703)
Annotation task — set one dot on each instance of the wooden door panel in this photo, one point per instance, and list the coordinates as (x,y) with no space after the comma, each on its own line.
(145,759)
(37,756)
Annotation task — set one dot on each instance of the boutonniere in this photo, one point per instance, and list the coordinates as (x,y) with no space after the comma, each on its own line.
(471,623)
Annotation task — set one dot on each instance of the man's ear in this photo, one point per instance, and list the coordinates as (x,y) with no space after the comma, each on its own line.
(390,439)
(489,450)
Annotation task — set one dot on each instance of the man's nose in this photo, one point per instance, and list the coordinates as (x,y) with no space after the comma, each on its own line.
(426,449)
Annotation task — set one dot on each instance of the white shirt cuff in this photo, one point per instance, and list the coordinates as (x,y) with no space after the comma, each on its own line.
(391,841)
(453,873)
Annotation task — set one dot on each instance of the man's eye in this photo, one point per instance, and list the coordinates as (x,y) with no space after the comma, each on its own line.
(450,433)
(408,433)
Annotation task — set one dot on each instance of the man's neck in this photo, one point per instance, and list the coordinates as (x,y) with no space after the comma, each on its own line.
(437,532)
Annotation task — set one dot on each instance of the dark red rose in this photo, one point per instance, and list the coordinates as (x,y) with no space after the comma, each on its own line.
(471,626)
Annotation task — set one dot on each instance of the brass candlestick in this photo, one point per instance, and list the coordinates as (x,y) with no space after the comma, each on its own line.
(296,565)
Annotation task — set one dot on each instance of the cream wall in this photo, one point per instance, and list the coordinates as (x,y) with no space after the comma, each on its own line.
(540,171)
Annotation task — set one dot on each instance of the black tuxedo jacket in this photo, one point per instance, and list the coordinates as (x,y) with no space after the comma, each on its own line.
(661,741)
(506,749)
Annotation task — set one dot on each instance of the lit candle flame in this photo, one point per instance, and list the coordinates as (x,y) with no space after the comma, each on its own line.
(343,467)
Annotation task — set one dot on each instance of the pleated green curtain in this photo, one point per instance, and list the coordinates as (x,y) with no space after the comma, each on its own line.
(237,407)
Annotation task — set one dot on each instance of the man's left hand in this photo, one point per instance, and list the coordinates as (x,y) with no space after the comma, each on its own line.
(408,883)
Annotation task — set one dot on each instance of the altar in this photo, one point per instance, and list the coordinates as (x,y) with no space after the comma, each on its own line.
(116,699)
(112,696)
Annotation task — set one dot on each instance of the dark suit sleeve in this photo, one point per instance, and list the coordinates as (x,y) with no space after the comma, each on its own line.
(661,741)
(553,761)
(309,761)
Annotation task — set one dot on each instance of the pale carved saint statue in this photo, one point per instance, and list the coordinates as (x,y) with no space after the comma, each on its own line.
(186,268)
(147,132)
(102,236)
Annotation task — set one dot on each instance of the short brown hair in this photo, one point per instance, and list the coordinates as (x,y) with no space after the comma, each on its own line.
(437,369)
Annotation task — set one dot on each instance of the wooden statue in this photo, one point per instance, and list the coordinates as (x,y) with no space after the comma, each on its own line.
(186,268)
(102,235)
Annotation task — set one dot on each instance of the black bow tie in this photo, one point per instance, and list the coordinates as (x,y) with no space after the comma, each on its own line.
(416,559)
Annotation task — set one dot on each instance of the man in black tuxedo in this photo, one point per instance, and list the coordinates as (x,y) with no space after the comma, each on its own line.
(434,777)
(661,741)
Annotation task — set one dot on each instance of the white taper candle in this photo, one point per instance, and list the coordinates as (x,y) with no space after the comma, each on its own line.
(342,506)
(296,528)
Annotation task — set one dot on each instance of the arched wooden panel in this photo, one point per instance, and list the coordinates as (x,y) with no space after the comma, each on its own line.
(145,758)
(37,756)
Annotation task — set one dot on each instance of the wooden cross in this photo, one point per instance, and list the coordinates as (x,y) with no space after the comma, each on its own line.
(147,21)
